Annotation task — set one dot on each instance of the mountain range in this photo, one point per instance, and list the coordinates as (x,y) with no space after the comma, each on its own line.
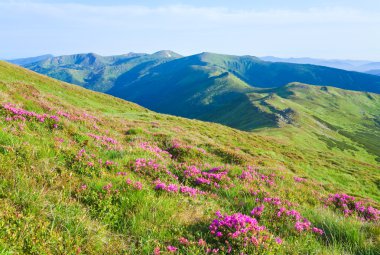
(349,65)
(110,74)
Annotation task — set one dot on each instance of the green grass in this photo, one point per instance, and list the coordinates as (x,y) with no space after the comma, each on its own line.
(45,210)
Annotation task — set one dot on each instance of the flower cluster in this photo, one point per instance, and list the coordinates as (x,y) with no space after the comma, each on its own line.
(299,179)
(90,160)
(146,165)
(180,151)
(137,185)
(106,142)
(174,188)
(251,175)
(157,151)
(238,231)
(216,177)
(277,210)
(350,206)
(23,115)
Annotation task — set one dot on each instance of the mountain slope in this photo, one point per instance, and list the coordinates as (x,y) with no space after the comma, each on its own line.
(73,180)
(96,72)
(341,119)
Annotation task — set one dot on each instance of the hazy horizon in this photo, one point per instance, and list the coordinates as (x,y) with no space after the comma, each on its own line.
(185,55)
(331,30)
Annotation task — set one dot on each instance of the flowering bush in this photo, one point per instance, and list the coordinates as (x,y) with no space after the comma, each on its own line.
(106,142)
(239,232)
(15,114)
(216,177)
(299,179)
(276,210)
(174,188)
(252,175)
(350,206)
(157,151)
(182,152)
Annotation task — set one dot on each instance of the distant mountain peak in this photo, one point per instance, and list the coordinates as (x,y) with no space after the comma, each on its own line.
(167,54)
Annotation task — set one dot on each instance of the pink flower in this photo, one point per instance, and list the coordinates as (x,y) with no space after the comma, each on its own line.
(278,240)
(107,187)
(172,248)
(157,251)
(299,179)
(137,185)
(257,211)
(184,241)
(202,242)
(317,231)
(172,188)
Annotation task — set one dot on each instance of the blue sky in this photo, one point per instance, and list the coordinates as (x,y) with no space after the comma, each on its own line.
(333,29)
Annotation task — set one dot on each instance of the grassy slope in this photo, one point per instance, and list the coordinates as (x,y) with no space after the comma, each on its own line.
(329,119)
(44,210)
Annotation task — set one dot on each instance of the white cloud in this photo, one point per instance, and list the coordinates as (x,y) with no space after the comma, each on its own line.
(64,28)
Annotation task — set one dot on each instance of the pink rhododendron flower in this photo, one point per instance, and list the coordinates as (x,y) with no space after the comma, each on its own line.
(172,248)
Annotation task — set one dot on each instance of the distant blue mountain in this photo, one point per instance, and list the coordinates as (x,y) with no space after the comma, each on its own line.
(27,61)
(349,65)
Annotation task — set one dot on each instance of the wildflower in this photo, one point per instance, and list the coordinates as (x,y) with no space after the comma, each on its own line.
(184,241)
(107,187)
(302,225)
(278,240)
(202,242)
(53,117)
(172,248)
(160,185)
(201,180)
(157,251)
(317,231)
(299,179)
(257,211)
(137,185)
(172,188)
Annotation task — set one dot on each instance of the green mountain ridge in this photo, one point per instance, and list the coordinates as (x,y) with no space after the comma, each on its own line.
(252,70)
(96,72)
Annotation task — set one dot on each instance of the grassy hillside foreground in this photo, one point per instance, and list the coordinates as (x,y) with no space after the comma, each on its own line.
(86,173)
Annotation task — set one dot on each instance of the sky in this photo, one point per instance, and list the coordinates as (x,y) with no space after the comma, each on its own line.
(330,29)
